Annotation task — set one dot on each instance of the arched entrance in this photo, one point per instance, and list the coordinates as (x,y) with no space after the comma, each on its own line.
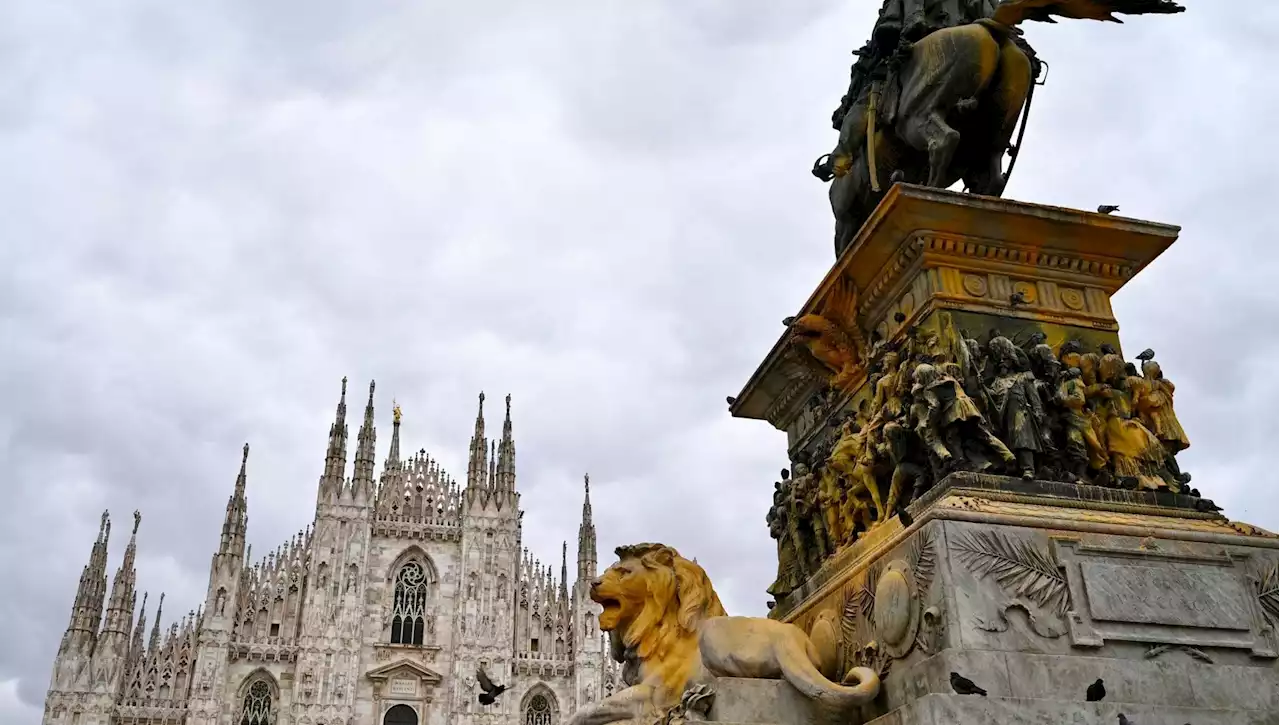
(400,715)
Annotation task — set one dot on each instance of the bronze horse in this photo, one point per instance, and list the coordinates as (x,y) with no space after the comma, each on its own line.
(962,90)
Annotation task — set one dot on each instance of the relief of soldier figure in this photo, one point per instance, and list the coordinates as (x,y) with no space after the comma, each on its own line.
(1016,408)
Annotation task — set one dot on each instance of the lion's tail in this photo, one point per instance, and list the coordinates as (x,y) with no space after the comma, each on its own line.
(798,668)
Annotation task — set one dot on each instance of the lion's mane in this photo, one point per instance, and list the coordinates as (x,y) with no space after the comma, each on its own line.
(678,598)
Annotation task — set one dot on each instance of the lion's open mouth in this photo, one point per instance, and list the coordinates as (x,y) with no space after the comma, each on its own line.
(612,612)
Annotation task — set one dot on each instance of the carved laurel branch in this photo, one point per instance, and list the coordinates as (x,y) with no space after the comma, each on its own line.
(1266,590)
(857,612)
(924,560)
(1017,565)
(855,619)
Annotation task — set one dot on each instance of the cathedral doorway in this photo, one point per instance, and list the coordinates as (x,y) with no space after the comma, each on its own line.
(400,715)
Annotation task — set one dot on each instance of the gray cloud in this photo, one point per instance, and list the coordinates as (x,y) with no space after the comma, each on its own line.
(215,211)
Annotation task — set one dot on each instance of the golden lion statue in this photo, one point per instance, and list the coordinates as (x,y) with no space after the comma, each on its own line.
(667,627)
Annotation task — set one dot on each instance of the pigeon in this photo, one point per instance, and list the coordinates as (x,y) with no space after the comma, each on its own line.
(1194,493)
(905,518)
(1019,298)
(899,317)
(730,399)
(965,686)
(786,321)
(786,473)
(1146,355)
(1096,692)
(1108,208)
(1124,720)
(1205,505)
(491,691)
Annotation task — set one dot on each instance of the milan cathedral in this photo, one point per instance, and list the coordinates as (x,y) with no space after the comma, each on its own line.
(381,612)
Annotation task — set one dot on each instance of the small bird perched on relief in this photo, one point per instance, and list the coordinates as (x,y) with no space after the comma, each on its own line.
(1124,720)
(965,686)
(1096,691)
(491,691)
(1108,208)
(1018,298)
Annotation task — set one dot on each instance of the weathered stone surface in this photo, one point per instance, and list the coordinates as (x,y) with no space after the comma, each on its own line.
(1026,687)
(745,700)
(1186,595)
(955,709)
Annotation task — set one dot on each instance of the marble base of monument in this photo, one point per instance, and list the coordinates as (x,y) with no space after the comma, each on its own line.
(1033,591)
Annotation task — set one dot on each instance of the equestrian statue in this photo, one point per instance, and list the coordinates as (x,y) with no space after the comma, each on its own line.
(935,97)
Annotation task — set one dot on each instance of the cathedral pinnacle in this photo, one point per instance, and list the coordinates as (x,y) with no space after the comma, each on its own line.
(505,479)
(362,475)
(476,465)
(335,460)
(393,456)
(564,573)
(120,606)
(236,520)
(86,612)
(586,536)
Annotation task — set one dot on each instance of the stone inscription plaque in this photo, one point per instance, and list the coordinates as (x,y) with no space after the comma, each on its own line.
(1185,595)
(403,686)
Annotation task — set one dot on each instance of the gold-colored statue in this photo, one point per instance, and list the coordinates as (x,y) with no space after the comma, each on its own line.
(831,336)
(776,518)
(1082,446)
(1155,410)
(1135,453)
(667,627)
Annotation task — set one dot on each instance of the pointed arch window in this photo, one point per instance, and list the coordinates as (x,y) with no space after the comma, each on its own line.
(538,711)
(409,610)
(256,707)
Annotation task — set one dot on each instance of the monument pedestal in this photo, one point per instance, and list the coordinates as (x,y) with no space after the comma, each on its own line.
(1033,589)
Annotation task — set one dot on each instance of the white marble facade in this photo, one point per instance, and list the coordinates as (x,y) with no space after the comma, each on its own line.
(378,613)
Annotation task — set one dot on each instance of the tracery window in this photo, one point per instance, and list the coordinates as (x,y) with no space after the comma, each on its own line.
(256,708)
(409,610)
(538,711)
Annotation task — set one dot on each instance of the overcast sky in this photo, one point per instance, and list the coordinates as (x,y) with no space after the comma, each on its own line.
(212,211)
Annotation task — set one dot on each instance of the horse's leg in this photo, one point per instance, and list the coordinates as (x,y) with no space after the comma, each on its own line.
(930,132)
(988,179)
(1006,97)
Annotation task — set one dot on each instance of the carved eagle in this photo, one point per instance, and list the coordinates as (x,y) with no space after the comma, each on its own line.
(1013,12)
(830,337)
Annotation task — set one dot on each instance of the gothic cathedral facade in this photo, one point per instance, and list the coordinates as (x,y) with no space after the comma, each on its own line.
(385,611)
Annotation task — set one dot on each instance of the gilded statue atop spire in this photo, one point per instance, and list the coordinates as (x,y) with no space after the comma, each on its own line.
(395,412)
